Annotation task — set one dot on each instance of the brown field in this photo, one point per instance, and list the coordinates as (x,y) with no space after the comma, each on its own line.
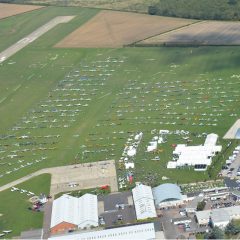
(115,29)
(7,10)
(201,33)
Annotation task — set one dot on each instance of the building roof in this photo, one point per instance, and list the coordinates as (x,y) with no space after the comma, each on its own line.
(193,204)
(219,214)
(166,192)
(143,201)
(197,155)
(75,210)
(211,139)
(141,231)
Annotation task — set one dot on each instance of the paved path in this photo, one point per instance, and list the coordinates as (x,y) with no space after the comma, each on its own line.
(47,219)
(23,179)
(33,36)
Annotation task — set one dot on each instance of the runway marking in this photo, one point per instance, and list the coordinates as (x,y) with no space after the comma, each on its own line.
(33,36)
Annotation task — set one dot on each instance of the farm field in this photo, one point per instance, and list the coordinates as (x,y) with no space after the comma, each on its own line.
(115,29)
(8,10)
(64,106)
(202,33)
(14,211)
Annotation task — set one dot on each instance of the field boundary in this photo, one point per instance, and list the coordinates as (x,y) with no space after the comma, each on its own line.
(172,30)
(28,11)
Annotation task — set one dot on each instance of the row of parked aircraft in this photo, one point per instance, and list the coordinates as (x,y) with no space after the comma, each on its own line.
(13,189)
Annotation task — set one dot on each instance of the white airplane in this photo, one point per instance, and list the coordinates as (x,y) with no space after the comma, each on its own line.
(7,231)
(14,189)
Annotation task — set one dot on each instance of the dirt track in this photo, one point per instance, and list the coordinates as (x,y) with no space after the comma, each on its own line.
(7,10)
(114,29)
(202,33)
(33,36)
(87,175)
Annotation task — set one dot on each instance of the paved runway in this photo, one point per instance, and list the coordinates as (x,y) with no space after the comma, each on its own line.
(33,36)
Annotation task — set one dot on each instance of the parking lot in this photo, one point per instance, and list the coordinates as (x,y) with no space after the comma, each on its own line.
(174,231)
(117,208)
(231,168)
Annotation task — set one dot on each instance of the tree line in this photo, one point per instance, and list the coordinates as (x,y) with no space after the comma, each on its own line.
(198,9)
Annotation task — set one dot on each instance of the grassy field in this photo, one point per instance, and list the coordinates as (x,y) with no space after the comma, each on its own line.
(65,106)
(14,206)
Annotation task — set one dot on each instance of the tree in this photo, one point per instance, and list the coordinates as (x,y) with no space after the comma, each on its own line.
(152,10)
(201,205)
(232,229)
(215,233)
(232,2)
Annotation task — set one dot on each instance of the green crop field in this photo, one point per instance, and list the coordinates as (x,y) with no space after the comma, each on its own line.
(65,106)
(15,214)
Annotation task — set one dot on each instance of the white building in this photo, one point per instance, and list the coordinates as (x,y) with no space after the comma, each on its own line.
(141,231)
(71,213)
(220,217)
(198,156)
(143,202)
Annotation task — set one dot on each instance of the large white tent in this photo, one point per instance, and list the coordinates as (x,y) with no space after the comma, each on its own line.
(82,212)
(144,202)
(196,155)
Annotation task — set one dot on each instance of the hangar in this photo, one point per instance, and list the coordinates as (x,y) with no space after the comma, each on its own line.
(69,213)
(168,194)
(143,202)
(141,231)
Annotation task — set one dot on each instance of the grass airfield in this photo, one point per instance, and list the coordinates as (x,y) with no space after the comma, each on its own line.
(72,112)
(14,206)
(66,106)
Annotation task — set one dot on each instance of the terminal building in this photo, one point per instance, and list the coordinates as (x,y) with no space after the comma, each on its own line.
(71,213)
(200,157)
(144,202)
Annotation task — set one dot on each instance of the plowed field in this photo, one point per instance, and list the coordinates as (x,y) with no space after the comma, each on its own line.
(115,29)
(7,10)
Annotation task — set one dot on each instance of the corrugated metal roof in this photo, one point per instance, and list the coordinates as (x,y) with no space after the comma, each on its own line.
(143,201)
(165,192)
(81,211)
(141,231)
